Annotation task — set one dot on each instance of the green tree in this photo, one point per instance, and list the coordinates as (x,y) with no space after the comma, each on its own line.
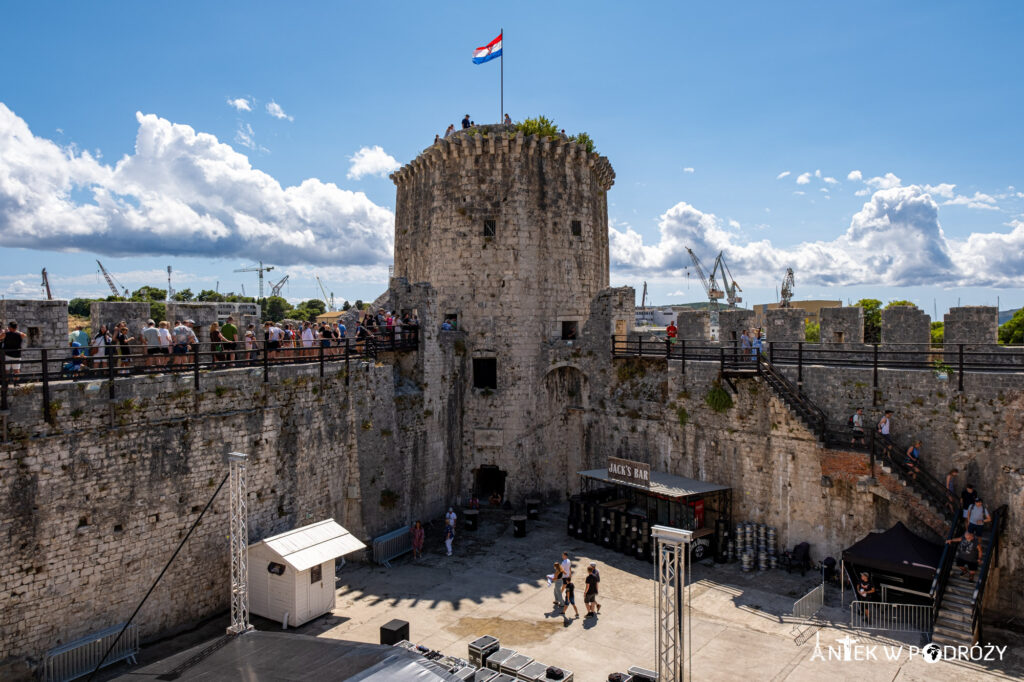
(1012,331)
(275,308)
(585,140)
(812,332)
(80,306)
(542,125)
(183,296)
(148,293)
(209,296)
(938,333)
(314,304)
(890,304)
(872,319)
(158,311)
(346,305)
(359,304)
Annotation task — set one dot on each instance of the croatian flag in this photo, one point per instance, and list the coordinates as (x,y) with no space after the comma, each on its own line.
(488,52)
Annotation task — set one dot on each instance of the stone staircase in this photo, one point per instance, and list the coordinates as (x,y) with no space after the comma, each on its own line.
(953,622)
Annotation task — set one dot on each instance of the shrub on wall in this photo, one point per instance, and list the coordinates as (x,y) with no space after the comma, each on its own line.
(718,399)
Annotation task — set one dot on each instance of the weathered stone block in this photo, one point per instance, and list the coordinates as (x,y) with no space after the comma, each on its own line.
(976,325)
(842,325)
(905,324)
(694,325)
(732,324)
(785,325)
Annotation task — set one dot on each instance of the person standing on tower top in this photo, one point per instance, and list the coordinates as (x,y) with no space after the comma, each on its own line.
(465,122)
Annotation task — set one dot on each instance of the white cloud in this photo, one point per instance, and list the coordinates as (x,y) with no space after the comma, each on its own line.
(241,104)
(734,224)
(823,189)
(979,200)
(894,240)
(855,175)
(799,193)
(781,175)
(179,193)
(19,289)
(829,180)
(803,179)
(817,173)
(245,136)
(371,161)
(688,169)
(275,110)
(887,181)
(943,190)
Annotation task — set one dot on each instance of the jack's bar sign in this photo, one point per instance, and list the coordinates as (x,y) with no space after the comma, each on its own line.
(628,471)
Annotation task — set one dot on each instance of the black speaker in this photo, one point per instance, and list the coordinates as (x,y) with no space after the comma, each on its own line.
(394,631)
(519,526)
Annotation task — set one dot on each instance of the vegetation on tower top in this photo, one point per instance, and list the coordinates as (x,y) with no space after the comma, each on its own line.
(545,127)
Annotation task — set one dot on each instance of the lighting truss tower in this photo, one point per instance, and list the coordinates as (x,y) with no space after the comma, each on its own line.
(673,603)
(239,520)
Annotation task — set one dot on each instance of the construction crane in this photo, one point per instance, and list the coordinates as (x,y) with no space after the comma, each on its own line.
(787,289)
(110,282)
(329,302)
(275,289)
(708,282)
(643,297)
(46,286)
(728,283)
(260,268)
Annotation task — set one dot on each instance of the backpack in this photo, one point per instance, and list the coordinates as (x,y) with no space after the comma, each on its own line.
(849,422)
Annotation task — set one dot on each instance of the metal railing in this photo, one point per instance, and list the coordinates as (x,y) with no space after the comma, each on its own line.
(391,545)
(876,615)
(941,579)
(988,558)
(40,365)
(923,481)
(80,657)
(811,413)
(952,359)
(807,606)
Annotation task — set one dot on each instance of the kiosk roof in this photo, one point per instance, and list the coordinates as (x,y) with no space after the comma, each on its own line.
(668,485)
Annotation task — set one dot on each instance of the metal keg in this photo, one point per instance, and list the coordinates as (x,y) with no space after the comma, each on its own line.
(762,561)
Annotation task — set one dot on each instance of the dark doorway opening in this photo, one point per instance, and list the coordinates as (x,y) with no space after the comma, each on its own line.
(490,481)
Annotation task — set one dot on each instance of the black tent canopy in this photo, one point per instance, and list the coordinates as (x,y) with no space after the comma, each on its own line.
(897,550)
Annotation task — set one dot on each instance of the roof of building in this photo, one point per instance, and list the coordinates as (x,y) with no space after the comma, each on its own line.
(314,544)
(667,485)
(331,316)
(260,655)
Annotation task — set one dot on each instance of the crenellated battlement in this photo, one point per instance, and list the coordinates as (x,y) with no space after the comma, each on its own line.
(505,141)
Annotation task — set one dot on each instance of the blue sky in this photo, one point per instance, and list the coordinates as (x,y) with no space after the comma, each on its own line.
(897,126)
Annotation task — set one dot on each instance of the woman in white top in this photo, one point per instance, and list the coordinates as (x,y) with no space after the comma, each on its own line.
(308,336)
(99,346)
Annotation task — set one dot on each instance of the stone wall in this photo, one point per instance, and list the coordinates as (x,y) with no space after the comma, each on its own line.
(974,325)
(94,503)
(842,325)
(785,324)
(732,324)
(111,312)
(905,324)
(44,323)
(204,314)
(694,324)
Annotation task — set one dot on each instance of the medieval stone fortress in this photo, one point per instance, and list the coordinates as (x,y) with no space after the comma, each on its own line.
(540,377)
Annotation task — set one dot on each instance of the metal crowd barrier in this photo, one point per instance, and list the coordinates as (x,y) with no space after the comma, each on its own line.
(807,606)
(391,545)
(78,658)
(875,615)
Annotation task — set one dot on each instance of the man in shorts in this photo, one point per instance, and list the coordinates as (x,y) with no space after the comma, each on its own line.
(182,336)
(11,341)
(968,554)
(230,333)
(151,335)
(590,594)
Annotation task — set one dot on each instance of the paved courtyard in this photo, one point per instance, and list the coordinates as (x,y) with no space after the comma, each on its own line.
(741,628)
(495,585)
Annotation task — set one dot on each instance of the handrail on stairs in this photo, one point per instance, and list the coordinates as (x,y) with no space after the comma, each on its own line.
(815,416)
(941,579)
(923,480)
(989,556)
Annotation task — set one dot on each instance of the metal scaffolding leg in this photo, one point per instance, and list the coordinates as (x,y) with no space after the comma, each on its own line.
(239,522)
(673,603)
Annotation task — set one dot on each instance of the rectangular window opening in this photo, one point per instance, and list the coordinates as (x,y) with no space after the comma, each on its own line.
(485,373)
(570,329)
(577,227)
(490,227)
(316,574)
(837,337)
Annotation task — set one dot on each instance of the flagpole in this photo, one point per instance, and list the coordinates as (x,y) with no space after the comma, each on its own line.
(502,116)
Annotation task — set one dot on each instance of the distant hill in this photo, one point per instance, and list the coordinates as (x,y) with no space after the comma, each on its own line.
(1005,315)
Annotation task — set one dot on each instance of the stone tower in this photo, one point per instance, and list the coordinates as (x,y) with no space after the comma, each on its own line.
(512,233)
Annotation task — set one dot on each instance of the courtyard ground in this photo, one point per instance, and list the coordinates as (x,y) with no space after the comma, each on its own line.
(495,584)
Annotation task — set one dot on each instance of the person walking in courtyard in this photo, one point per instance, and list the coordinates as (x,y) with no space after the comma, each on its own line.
(590,594)
(558,582)
(450,517)
(865,593)
(418,537)
(570,597)
(449,537)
